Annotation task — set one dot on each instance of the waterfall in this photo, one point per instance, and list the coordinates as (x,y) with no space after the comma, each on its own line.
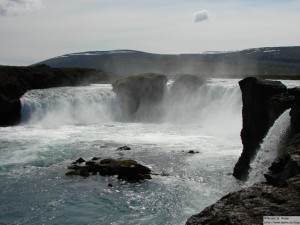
(270,147)
(68,105)
(215,105)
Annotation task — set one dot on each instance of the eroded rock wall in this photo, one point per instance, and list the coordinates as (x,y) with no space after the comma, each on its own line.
(263,102)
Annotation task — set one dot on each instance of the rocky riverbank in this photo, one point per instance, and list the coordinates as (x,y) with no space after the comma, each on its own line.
(263,102)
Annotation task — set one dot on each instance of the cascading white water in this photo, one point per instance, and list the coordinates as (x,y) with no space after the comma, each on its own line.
(68,105)
(216,105)
(269,148)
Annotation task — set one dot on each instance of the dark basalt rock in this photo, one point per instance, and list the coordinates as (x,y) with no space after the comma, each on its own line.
(125,169)
(134,173)
(295,113)
(186,84)
(10,111)
(286,165)
(249,205)
(80,160)
(193,152)
(278,104)
(139,96)
(126,148)
(95,158)
(263,102)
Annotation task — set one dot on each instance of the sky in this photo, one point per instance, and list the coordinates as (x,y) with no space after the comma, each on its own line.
(34,30)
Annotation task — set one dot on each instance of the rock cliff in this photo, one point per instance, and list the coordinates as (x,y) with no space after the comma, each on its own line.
(263,102)
(295,112)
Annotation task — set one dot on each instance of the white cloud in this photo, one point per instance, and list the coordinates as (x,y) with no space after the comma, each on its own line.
(15,7)
(201,16)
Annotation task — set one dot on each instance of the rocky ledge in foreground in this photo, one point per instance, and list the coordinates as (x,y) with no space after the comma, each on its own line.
(125,169)
(250,205)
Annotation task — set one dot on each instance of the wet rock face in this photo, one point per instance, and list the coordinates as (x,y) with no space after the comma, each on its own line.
(286,165)
(249,205)
(295,113)
(10,111)
(263,102)
(139,96)
(186,84)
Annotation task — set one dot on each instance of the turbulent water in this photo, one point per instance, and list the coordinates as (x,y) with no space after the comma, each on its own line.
(63,124)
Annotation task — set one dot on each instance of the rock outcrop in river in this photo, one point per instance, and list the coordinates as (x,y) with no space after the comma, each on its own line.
(186,84)
(140,96)
(125,169)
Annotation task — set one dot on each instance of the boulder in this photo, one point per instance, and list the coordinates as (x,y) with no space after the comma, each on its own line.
(193,152)
(124,148)
(140,96)
(125,169)
(263,102)
(80,160)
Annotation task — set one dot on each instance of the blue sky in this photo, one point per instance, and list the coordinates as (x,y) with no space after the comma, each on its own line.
(34,30)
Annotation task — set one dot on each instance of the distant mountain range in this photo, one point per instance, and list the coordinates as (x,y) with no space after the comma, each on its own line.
(249,62)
